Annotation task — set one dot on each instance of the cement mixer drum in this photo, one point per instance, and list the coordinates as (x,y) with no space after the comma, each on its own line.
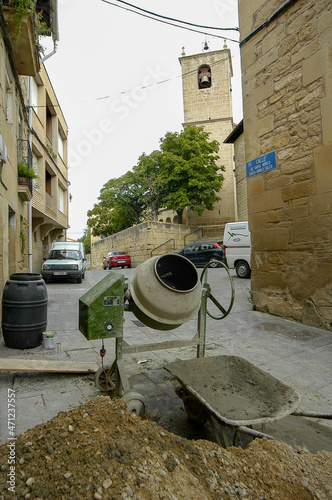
(165,292)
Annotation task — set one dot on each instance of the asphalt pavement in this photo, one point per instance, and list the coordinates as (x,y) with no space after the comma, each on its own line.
(297,354)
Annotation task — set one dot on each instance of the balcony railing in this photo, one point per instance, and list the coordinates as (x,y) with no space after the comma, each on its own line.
(24,157)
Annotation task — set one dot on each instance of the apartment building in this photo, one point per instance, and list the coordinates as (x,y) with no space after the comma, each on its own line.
(33,146)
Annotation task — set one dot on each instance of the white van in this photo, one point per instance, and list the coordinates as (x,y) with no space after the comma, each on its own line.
(237,246)
(65,260)
(70,245)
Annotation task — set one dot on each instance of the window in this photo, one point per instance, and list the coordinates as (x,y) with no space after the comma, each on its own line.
(49,119)
(61,200)
(204,77)
(34,94)
(60,145)
(9,99)
(35,182)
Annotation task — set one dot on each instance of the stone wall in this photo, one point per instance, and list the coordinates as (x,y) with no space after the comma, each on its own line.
(139,241)
(241,179)
(287,85)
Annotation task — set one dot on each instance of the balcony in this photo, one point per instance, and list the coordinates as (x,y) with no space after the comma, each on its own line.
(24,47)
(24,188)
(24,157)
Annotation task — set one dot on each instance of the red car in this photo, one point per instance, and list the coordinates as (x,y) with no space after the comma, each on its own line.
(116,259)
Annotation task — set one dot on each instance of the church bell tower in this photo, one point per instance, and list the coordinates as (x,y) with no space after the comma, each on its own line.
(207,102)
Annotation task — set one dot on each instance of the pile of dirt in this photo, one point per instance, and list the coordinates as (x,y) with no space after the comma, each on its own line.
(102,451)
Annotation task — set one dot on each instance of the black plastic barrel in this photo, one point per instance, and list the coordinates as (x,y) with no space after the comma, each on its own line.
(24,310)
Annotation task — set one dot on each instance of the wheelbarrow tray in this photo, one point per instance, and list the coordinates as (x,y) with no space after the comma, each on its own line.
(235,391)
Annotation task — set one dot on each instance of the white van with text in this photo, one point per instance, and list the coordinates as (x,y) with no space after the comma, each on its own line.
(237,246)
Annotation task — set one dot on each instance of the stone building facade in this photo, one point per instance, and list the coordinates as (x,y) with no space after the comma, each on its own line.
(207,101)
(49,150)
(286,58)
(33,133)
(236,137)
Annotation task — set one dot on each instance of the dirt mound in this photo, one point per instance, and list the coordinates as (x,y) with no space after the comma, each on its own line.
(101,451)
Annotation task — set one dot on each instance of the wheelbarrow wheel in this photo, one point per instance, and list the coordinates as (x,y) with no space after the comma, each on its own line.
(195,410)
(100,379)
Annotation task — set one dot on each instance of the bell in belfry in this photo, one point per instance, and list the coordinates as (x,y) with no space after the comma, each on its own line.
(205,82)
(204,77)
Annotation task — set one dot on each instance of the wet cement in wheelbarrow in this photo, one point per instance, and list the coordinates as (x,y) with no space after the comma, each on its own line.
(236,390)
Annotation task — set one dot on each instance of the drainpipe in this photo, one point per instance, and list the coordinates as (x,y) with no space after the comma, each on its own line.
(55,28)
(55,44)
(30,202)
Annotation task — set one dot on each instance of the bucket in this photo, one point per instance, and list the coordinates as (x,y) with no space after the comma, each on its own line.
(24,310)
(49,340)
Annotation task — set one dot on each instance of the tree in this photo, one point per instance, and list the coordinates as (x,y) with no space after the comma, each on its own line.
(86,240)
(189,173)
(148,173)
(121,205)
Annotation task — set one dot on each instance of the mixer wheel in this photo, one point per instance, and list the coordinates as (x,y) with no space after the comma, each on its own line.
(210,296)
(100,379)
(135,403)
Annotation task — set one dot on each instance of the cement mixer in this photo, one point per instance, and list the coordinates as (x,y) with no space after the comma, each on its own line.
(163,293)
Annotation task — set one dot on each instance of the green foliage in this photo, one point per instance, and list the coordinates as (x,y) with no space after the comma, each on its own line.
(24,171)
(23,8)
(189,173)
(86,240)
(121,205)
(148,172)
(23,237)
(184,173)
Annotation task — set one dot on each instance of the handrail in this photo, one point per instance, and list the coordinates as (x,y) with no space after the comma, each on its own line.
(191,232)
(155,248)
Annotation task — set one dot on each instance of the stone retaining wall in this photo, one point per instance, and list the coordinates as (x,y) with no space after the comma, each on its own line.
(139,241)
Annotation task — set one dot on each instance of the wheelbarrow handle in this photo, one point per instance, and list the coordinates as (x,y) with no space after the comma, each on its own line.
(311,415)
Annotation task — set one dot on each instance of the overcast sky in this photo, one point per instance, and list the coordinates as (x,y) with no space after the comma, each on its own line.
(118,80)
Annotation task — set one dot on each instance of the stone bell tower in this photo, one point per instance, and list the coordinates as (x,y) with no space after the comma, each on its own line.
(207,101)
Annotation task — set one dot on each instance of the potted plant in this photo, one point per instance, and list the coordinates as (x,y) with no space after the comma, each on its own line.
(20,9)
(24,172)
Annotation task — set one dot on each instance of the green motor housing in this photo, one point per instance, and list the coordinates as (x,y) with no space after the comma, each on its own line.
(101,309)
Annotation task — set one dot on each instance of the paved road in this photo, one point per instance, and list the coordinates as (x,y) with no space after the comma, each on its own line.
(297,354)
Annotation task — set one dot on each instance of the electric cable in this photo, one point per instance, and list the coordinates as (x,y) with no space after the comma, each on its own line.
(177,20)
(169,23)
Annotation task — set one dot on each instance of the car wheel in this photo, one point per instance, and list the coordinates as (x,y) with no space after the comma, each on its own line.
(79,279)
(109,266)
(213,263)
(242,269)
(129,266)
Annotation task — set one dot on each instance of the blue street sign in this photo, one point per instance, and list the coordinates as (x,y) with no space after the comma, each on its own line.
(262,164)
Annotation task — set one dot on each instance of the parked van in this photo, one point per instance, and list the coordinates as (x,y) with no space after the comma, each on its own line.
(237,246)
(72,245)
(65,260)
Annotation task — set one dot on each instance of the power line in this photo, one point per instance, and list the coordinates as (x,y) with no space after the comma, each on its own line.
(184,75)
(178,20)
(169,23)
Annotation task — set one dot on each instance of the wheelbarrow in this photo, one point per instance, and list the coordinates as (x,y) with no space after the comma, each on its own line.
(234,393)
